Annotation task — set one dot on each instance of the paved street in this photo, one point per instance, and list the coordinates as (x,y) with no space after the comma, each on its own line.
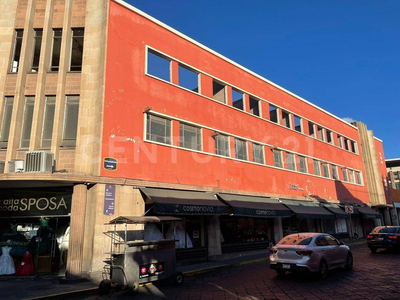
(375,276)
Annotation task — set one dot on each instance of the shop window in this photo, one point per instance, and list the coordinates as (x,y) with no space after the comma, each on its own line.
(254,106)
(237,99)
(302,164)
(317,168)
(219,92)
(158,129)
(190,137)
(297,124)
(240,149)
(222,145)
(19,33)
(325,169)
(346,144)
(341,225)
(6,122)
(358,176)
(27,122)
(320,133)
(290,161)
(278,162)
(285,119)
(158,65)
(48,121)
(352,179)
(311,129)
(258,153)
(273,113)
(329,136)
(70,121)
(77,49)
(345,176)
(340,143)
(353,146)
(36,51)
(188,78)
(55,56)
(335,174)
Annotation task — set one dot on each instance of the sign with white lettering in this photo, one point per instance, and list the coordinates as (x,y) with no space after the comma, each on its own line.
(109,200)
(110,163)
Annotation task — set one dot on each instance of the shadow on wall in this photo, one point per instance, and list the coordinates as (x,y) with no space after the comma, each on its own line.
(343,193)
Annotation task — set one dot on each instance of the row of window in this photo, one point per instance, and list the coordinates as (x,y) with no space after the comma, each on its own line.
(159,65)
(70,121)
(159,129)
(76,53)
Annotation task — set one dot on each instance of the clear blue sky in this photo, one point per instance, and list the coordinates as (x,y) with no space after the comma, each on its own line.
(341,55)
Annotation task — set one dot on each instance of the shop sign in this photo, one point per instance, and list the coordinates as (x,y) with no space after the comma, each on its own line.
(59,205)
(185,209)
(110,163)
(109,200)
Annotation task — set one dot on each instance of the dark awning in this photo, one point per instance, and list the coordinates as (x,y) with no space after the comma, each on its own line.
(305,209)
(177,202)
(335,209)
(368,213)
(249,206)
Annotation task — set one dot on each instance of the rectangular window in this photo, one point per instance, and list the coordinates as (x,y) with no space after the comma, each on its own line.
(158,129)
(290,161)
(297,124)
(55,57)
(320,133)
(258,153)
(340,143)
(352,179)
(358,176)
(48,121)
(27,122)
(285,119)
(36,51)
(278,158)
(219,92)
(77,49)
(254,106)
(190,137)
(240,149)
(6,122)
(19,33)
(335,174)
(345,176)
(325,168)
(237,99)
(273,113)
(222,145)
(311,129)
(353,146)
(188,78)
(346,144)
(317,168)
(302,164)
(329,136)
(70,121)
(158,65)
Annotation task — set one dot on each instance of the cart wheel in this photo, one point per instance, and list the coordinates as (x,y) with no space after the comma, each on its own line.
(178,278)
(133,288)
(105,286)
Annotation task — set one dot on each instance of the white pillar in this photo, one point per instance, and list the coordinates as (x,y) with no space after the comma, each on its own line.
(278,230)
(214,238)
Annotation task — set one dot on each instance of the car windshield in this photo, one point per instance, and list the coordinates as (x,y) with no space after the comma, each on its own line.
(295,239)
(388,230)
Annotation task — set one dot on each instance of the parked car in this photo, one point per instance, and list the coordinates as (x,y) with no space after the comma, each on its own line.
(387,237)
(310,252)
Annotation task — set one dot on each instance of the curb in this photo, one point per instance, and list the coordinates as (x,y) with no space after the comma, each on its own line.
(61,295)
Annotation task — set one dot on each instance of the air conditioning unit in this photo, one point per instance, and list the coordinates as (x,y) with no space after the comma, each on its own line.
(39,162)
(15,166)
(2,166)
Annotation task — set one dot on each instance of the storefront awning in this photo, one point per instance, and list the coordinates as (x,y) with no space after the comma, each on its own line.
(368,213)
(177,202)
(249,206)
(336,210)
(304,209)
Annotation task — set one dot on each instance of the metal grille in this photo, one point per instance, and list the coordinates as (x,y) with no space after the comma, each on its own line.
(39,161)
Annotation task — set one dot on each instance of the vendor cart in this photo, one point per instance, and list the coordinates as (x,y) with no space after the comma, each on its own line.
(131,263)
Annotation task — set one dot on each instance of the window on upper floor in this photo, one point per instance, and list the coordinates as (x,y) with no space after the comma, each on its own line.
(56,51)
(340,142)
(353,146)
(188,78)
(317,168)
(346,144)
(36,51)
(358,177)
(290,161)
(6,121)
(278,162)
(329,136)
(48,121)
(240,149)
(286,119)
(18,35)
(325,169)
(335,174)
(302,164)
(297,124)
(311,129)
(273,113)
(158,129)
(345,176)
(254,106)
(77,49)
(237,99)
(258,153)
(219,91)
(190,136)
(27,122)
(158,65)
(352,178)
(320,131)
(222,145)
(70,121)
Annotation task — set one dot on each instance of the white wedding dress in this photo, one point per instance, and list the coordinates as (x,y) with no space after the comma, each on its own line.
(7,266)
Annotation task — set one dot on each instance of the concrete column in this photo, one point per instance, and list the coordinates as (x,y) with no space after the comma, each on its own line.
(278,230)
(394,216)
(386,217)
(214,238)
(76,239)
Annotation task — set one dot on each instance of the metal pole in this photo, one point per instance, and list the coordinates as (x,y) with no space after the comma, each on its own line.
(351,229)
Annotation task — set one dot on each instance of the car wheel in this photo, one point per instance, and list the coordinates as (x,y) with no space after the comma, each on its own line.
(133,288)
(105,286)
(323,269)
(281,272)
(178,278)
(373,250)
(349,262)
